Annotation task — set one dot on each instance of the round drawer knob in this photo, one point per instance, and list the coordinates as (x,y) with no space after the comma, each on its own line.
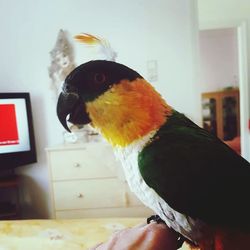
(77,165)
(80,195)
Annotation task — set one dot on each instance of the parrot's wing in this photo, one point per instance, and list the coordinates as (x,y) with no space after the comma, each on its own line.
(197,174)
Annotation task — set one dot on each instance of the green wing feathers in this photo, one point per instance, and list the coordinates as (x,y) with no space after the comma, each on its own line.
(197,174)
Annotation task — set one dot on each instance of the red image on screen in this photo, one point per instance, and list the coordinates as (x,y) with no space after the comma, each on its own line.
(8,125)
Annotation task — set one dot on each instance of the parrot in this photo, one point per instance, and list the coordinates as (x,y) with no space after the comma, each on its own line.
(190,178)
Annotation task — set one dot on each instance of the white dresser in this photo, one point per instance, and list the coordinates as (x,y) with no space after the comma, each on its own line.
(87,181)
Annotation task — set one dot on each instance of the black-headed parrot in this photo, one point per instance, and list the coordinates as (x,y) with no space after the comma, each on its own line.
(196,183)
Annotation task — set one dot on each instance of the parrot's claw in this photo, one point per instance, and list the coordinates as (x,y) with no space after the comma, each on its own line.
(155,218)
(180,241)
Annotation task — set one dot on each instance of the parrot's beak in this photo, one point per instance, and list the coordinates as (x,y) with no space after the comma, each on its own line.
(71,104)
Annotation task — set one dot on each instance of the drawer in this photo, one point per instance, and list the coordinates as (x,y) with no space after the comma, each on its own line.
(105,213)
(131,198)
(88,162)
(80,194)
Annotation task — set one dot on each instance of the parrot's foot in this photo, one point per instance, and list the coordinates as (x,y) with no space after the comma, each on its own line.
(156,218)
(180,239)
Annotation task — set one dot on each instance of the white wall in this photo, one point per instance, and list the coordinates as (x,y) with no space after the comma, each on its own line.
(139,30)
(226,11)
(218,59)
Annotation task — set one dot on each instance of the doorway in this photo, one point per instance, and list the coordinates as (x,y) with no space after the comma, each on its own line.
(228,72)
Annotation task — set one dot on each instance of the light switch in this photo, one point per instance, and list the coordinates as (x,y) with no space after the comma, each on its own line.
(152,70)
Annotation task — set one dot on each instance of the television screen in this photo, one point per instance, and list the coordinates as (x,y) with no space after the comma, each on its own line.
(17,145)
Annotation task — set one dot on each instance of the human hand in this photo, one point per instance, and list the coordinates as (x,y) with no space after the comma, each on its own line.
(152,236)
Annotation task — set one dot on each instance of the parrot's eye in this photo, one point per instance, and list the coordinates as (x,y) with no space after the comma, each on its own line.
(99,78)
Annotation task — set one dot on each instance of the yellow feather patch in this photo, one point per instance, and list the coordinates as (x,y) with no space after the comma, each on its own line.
(128,111)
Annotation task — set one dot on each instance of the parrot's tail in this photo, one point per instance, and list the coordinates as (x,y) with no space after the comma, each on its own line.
(225,241)
(232,241)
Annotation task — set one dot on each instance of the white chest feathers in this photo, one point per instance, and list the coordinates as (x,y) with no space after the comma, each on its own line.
(181,223)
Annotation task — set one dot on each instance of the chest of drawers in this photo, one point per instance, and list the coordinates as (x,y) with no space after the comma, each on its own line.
(87,181)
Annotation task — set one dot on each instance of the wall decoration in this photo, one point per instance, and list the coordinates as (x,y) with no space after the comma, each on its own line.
(62,61)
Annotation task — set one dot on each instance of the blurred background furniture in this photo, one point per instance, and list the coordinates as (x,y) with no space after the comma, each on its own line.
(9,193)
(87,181)
(221,113)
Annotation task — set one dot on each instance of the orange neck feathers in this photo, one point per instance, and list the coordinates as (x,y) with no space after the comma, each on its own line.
(128,111)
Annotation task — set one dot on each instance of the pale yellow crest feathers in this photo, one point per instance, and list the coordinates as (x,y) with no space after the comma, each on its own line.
(91,40)
(87,39)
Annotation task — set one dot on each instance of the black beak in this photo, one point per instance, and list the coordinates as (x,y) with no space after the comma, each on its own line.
(71,104)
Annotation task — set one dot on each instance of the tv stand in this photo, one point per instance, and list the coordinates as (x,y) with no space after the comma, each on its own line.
(9,202)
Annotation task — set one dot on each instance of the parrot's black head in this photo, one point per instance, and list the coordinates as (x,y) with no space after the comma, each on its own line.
(84,84)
